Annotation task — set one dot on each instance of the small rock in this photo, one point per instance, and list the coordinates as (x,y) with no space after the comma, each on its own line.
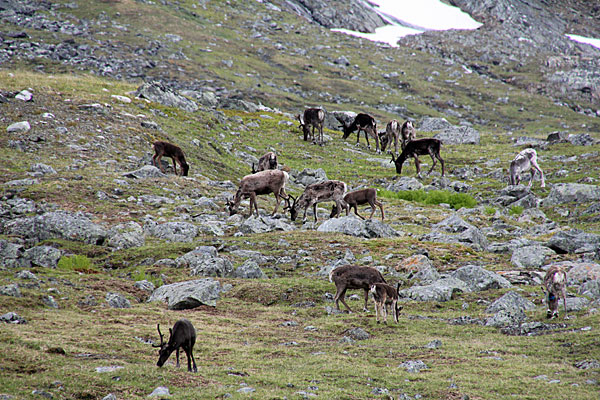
(18,127)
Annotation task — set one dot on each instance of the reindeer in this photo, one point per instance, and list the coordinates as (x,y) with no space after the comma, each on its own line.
(420,147)
(525,161)
(268,161)
(183,335)
(358,198)
(392,131)
(314,117)
(264,182)
(362,122)
(385,295)
(353,277)
(555,286)
(169,150)
(408,133)
(318,193)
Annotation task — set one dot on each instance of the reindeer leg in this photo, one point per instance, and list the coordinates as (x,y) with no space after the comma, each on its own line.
(366,300)
(535,165)
(441,162)
(367,139)
(376,310)
(418,166)
(276,203)
(253,203)
(564,296)
(340,297)
(372,209)
(355,206)
(434,162)
(175,166)
(315,212)
(159,164)
(381,208)
(177,356)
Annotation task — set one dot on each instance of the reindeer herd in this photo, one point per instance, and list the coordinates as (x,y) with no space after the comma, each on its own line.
(266,178)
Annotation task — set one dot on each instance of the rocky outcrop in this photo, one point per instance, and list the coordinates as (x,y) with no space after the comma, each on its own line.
(188,294)
(159,93)
(353,226)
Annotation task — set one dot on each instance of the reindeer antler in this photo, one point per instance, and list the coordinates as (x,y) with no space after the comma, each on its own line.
(161,337)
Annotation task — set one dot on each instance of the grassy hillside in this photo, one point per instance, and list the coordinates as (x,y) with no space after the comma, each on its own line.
(274,335)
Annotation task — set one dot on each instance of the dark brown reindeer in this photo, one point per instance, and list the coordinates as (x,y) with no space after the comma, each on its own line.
(525,161)
(385,295)
(362,122)
(408,133)
(169,150)
(183,335)
(353,277)
(267,161)
(318,193)
(264,182)
(417,148)
(555,287)
(314,117)
(359,198)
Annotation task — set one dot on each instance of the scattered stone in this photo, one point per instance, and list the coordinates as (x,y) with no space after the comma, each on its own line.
(10,290)
(24,95)
(116,300)
(126,236)
(18,127)
(42,169)
(157,92)
(413,366)
(358,334)
(353,226)
(145,285)
(147,171)
(111,368)
(511,301)
(175,231)
(478,278)
(249,270)
(12,318)
(264,224)
(49,301)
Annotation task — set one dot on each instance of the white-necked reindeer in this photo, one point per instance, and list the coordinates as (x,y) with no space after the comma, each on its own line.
(353,277)
(525,161)
(318,193)
(264,182)
(314,117)
(555,287)
(408,133)
(384,296)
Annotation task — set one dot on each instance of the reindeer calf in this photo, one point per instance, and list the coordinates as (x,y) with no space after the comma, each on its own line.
(169,150)
(183,335)
(385,295)
(358,198)
(525,161)
(267,161)
(555,286)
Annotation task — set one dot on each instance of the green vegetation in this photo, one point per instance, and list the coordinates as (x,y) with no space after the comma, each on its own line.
(516,210)
(433,197)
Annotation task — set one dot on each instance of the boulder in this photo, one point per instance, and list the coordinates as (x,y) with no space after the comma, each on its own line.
(117,300)
(57,225)
(504,318)
(126,236)
(431,124)
(462,232)
(458,135)
(574,241)
(249,270)
(511,302)
(42,169)
(405,183)
(188,294)
(581,139)
(176,231)
(353,226)
(10,254)
(478,278)
(420,268)
(562,193)
(440,290)
(147,171)
(309,176)
(43,256)
(530,257)
(264,224)
(10,290)
(204,262)
(158,93)
(18,127)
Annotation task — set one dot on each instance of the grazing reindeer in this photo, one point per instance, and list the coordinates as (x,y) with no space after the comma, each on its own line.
(353,277)
(264,182)
(362,122)
(169,150)
(314,117)
(183,335)
(318,193)
(358,198)
(268,161)
(525,161)
(392,131)
(408,133)
(417,148)
(555,286)
(385,295)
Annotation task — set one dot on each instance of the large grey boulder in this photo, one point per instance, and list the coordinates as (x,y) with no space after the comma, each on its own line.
(561,193)
(158,93)
(18,127)
(574,241)
(504,318)
(309,176)
(590,289)
(458,231)
(511,302)
(581,139)
(57,225)
(249,270)
(176,231)
(420,268)
(43,256)
(147,171)
(440,290)
(126,236)
(264,224)
(405,183)
(117,300)
(203,261)
(579,272)
(433,124)
(42,169)
(10,290)
(188,294)
(478,278)
(10,254)
(353,226)
(458,135)
(530,257)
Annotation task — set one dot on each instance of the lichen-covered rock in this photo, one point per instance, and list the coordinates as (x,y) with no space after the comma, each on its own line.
(126,236)
(176,231)
(478,278)
(188,294)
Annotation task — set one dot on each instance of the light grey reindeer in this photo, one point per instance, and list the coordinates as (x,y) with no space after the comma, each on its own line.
(525,161)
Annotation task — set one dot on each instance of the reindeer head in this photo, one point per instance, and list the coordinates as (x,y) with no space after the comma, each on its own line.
(231,207)
(291,208)
(398,162)
(163,352)
(273,161)
(185,167)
